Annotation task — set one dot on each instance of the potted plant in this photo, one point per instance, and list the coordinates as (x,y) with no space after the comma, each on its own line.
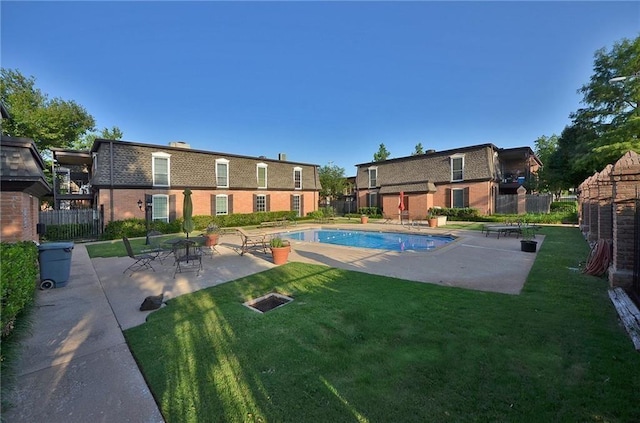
(433,219)
(364,218)
(280,249)
(211,235)
(527,244)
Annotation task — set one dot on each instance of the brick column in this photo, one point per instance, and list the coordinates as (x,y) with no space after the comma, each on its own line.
(592,235)
(605,204)
(522,200)
(583,210)
(625,175)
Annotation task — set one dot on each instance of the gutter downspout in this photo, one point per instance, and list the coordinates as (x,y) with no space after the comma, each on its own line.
(111,208)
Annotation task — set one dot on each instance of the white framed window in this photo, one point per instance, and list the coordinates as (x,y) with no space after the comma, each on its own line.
(457,167)
(457,198)
(261,203)
(297,178)
(261,172)
(222,173)
(160,208)
(296,204)
(161,169)
(373,177)
(222,204)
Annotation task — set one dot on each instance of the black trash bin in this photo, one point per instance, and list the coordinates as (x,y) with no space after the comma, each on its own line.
(55,264)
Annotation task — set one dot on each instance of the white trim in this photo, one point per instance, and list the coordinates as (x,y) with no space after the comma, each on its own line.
(160,155)
(297,169)
(225,162)
(154,215)
(369,169)
(258,167)
(226,201)
(299,209)
(453,197)
(451,159)
(264,197)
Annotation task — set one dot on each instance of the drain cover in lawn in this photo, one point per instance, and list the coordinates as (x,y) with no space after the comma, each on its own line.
(268,302)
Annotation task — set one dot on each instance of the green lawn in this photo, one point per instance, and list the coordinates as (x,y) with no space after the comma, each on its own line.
(364,348)
(115,248)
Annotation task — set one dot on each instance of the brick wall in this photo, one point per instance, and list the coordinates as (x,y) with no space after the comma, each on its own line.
(608,207)
(125,201)
(19,213)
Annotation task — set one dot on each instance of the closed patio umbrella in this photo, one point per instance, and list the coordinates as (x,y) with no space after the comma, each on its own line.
(187,211)
(401,205)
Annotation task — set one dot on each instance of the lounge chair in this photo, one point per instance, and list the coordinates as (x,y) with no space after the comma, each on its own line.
(142,261)
(252,241)
(188,256)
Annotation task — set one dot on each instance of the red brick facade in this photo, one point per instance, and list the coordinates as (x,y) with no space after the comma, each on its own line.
(19,213)
(429,180)
(123,174)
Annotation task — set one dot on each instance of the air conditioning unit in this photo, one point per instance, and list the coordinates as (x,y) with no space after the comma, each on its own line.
(179,144)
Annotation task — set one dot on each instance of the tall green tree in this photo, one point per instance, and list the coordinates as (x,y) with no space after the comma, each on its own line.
(86,141)
(545,148)
(332,181)
(418,150)
(382,154)
(609,124)
(49,122)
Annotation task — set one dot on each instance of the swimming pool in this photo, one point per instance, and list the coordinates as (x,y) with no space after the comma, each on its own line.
(365,239)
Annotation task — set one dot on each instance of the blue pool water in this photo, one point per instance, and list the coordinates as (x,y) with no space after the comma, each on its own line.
(365,239)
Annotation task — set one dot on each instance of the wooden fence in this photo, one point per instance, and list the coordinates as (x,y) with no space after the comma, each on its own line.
(71,225)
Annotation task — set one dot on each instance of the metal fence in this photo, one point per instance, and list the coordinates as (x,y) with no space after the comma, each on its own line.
(71,225)
(508,204)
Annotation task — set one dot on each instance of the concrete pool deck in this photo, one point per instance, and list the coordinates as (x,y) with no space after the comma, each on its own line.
(75,365)
(472,261)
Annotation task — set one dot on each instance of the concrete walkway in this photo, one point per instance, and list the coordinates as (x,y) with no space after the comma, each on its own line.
(76,367)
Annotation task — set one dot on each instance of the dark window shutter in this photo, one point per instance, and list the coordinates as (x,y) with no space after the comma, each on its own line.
(213,204)
(302,205)
(268,202)
(291,201)
(230,204)
(172,207)
(447,199)
(466,197)
(255,203)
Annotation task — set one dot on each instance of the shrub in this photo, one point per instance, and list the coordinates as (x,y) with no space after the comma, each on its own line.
(370,211)
(316,214)
(18,278)
(67,231)
(466,213)
(137,227)
(564,206)
(129,228)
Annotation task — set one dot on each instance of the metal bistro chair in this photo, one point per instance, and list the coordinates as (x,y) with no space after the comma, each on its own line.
(188,256)
(157,246)
(142,261)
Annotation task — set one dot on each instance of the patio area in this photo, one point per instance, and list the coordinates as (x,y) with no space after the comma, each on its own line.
(473,261)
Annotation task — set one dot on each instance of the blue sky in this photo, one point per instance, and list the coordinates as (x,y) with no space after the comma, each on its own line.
(323,82)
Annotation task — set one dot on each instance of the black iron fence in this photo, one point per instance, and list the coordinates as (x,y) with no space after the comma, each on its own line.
(71,225)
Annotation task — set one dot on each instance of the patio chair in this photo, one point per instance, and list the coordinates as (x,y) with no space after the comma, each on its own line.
(252,241)
(141,261)
(188,256)
(157,247)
